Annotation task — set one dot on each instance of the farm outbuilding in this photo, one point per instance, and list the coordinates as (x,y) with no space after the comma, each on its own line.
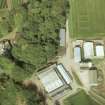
(55,79)
(88,50)
(93,79)
(62,36)
(64,73)
(77,54)
(50,79)
(85,65)
(100,51)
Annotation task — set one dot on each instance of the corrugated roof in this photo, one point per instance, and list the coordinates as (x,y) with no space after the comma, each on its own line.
(64,73)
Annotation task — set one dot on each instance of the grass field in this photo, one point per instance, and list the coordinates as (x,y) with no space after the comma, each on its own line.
(2,3)
(79,99)
(87,18)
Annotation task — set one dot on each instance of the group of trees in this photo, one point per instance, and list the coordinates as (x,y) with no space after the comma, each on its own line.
(16,93)
(37,42)
(39,39)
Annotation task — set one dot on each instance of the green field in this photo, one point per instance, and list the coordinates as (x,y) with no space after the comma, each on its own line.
(16,3)
(79,99)
(87,18)
(2,3)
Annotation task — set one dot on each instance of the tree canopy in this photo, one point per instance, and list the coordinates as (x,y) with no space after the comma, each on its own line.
(35,43)
(15,93)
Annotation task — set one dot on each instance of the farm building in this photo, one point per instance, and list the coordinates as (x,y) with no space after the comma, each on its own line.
(85,65)
(93,77)
(50,80)
(62,36)
(64,73)
(100,51)
(88,49)
(55,79)
(77,54)
(89,77)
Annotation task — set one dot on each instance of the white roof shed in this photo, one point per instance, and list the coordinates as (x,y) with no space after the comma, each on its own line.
(88,49)
(50,80)
(100,51)
(62,36)
(77,54)
(64,73)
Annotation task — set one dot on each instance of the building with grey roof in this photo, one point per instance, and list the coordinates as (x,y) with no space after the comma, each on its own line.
(77,54)
(62,36)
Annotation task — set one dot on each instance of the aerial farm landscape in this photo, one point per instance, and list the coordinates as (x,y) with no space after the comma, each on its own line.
(52,52)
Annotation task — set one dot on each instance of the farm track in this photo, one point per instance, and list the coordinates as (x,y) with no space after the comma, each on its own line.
(97,98)
(9,4)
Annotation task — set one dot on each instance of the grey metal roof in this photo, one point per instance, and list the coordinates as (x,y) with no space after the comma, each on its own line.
(77,54)
(62,36)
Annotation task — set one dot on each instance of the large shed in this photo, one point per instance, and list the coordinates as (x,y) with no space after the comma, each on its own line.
(77,54)
(64,73)
(50,79)
(88,50)
(55,79)
(100,51)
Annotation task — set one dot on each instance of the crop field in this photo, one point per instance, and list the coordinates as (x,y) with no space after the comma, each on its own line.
(2,3)
(79,99)
(15,3)
(12,3)
(87,18)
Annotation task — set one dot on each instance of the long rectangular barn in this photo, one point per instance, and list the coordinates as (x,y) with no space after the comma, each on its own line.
(87,18)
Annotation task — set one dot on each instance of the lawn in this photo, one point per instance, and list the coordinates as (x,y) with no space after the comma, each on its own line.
(79,99)
(87,18)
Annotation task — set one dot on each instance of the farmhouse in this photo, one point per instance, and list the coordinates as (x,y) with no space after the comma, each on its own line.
(55,79)
(100,51)
(77,54)
(88,50)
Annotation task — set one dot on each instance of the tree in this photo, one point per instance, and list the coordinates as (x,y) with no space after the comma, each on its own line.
(11,92)
(29,53)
